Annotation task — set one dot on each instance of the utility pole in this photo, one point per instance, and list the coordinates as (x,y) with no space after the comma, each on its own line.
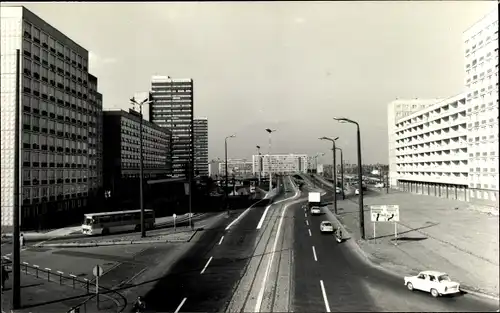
(334,171)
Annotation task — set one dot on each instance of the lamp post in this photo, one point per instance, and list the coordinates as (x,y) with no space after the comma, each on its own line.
(258,162)
(334,171)
(341,172)
(225,164)
(141,164)
(360,175)
(270,131)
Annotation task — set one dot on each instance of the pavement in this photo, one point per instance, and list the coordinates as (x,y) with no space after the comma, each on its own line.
(430,236)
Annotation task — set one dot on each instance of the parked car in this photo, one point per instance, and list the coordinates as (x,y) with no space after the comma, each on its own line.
(437,283)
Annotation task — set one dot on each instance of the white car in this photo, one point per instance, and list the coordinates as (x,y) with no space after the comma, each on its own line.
(338,190)
(356,192)
(437,283)
(326,227)
(315,210)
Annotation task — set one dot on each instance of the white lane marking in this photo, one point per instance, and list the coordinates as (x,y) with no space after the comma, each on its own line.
(180,305)
(268,269)
(206,265)
(305,215)
(327,306)
(242,214)
(307,222)
(310,235)
(263,217)
(221,238)
(314,253)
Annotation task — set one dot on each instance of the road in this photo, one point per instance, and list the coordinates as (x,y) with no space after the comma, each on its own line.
(327,273)
(203,281)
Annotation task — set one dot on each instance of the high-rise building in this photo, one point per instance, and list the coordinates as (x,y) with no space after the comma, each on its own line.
(280,163)
(59,124)
(172,107)
(201,146)
(122,152)
(481,88)
(95,141)
(397,110)
(236,167)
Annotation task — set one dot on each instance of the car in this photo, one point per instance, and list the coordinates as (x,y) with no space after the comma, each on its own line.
(315,210)
(435,282)
(356,192)
(326,227)
(338,190)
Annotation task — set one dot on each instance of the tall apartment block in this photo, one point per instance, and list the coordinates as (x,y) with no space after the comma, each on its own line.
(201,146)
(172,107)
(121,138)
(481,88)
(280,163)
(59,146)
(95,139)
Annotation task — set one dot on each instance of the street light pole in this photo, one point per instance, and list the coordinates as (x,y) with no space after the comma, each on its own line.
(334,171)
(360,176)
(270,131)
(141,165)
(342,172)
(225,165)
(258,163)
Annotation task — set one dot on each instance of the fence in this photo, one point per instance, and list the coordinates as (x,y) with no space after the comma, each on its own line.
(73,281)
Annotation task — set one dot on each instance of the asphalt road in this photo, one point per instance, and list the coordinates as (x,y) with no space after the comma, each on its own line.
(204,279)
(350,284)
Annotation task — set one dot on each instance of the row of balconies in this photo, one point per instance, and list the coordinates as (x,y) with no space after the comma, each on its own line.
(42,199)
(431,139)
(413,149)
(417,130)
(433,117)
(36,182)
(434,157)
(436,168)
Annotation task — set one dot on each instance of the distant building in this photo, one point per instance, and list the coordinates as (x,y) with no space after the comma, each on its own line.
(213,168)
(172,107)
(122,152)
(280,163)
(237,167)
(201,146)
(61,109)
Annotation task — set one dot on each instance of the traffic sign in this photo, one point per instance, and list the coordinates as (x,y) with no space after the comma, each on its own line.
(384,213)
(97,271)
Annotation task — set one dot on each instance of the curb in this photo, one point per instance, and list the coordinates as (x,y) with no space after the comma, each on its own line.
(351,241)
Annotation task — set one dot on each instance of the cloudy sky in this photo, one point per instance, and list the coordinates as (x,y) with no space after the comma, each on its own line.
(290,66)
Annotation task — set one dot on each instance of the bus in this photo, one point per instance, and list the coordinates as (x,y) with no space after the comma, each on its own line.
(108,222)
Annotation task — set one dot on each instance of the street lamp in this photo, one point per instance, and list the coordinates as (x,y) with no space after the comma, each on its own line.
(141,164)
(270,131)
(360,175)
(341,171)
(258,162)
(334,171)
(225,153)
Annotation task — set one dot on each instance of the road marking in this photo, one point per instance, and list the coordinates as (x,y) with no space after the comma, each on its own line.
(180,305)
(305,215)
(206,265)
(263,217)
(268,269)
(242,214)
(314,253)
(327,306)
(309,230)
(221,238)
(307,222)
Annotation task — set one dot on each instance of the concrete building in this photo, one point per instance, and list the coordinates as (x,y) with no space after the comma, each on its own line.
(59,146)
(396,110)
(95,140)
(201,146)
(237,167)
(481,88)
(122,152)
(213,168)
(280,163)
(173,108)
(431,150)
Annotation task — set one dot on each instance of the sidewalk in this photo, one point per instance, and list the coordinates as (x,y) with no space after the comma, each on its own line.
(432,235)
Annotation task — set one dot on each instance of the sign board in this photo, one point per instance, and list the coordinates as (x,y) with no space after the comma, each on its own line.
(384,213)
(97,271)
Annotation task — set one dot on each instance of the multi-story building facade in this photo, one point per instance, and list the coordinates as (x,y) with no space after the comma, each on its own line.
(57,121)
(236,167)
(481,88)
(431,150)
(396,110)
(201,146)
(172,107)
(280,163)
(213,168)
(121,139)
(95,139)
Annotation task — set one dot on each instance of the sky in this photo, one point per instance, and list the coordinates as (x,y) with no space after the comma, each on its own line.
(290,66)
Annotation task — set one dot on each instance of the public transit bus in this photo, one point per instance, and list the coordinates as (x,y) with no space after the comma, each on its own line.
(112,222)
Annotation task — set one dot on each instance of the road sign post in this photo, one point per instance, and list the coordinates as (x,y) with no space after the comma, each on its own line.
(385,213)
(97,271)
(175,217)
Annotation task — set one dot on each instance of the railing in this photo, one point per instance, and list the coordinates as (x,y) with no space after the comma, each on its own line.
(74,282)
